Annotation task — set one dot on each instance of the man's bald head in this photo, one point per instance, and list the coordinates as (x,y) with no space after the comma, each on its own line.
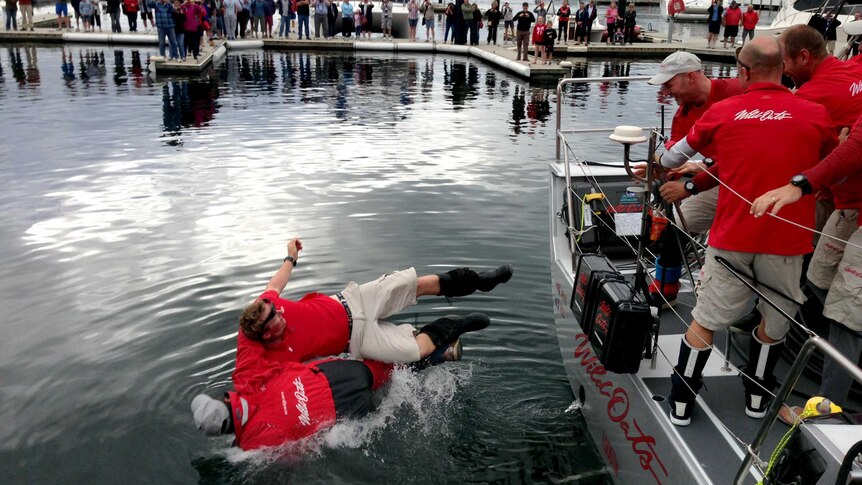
(762,59)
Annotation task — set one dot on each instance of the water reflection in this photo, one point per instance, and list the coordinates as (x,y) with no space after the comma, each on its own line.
(187,104)
(25,70)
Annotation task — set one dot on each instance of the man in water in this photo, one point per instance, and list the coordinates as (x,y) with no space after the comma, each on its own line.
(298,401)
(681,76)
(274,330)
(769,251)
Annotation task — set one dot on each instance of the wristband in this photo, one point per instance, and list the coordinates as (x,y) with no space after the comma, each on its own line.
(291,259)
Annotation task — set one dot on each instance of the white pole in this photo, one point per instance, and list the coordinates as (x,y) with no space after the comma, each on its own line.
(670,29)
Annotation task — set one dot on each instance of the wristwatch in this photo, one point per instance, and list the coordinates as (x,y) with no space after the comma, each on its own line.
(690,187)
(802,182)
(291,259)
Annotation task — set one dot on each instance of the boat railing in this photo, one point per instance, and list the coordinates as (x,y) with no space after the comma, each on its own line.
(583,80)
(813,342)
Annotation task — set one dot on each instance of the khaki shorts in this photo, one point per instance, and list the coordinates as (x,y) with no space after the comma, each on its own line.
(369,303)
(844,301)
(828,253)
(722,298)
(699,211)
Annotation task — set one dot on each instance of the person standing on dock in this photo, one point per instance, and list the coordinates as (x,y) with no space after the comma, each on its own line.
(258,13)
(539,40)
(231,10)
(611,15)
(412,19)
(581,23)
(179,30)
(768,251)
(366,7)
(26,7)
(346,19)
(386,19)
(477,24)
(302,15)
(321,18)
(193,19)
(113,7)
(332,17)
(508,24)
(540,11)
(146,14)
(548,39)
(493,15)
(165,11)
(592,15)
(715,15)
(524,20)
(563,15)
(749,22)
(11,9)
(630,22)
(428,19)
(732,19)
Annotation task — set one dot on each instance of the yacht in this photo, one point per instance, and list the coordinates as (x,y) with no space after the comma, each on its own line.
(619,352)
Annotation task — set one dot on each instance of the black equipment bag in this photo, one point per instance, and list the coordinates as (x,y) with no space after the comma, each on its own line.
(620,325)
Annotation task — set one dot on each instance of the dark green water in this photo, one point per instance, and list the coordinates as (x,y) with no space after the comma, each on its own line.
(140,216)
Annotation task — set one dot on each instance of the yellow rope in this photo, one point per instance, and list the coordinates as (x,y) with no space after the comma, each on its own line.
(783,442)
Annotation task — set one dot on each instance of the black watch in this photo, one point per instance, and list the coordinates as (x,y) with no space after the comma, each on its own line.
(802,182)
(690,187)
(291,259)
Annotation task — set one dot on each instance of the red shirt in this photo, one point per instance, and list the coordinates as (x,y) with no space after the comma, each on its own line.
(845,161)
(749,20)
(837,86)
(295,403)
(762,139)
(316,327)
(732,16)
(686,115)
(539,34)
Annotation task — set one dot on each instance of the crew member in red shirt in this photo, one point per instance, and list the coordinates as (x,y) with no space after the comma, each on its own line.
(274,330)
(296,402)
(841,253)
(749,22)
(681,76)
(732,19)
(770,251)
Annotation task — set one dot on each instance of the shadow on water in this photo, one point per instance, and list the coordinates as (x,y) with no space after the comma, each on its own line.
(158,207)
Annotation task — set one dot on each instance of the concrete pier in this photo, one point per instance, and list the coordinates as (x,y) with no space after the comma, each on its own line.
(502,56)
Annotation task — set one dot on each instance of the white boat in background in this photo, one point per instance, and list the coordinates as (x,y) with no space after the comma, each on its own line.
(619,361)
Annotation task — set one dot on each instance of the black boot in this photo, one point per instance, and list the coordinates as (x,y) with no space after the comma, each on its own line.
(446,330)
(759,378)
(686,382)
(465,281)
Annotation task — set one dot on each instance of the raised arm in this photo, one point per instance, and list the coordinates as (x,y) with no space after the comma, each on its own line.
(282,276)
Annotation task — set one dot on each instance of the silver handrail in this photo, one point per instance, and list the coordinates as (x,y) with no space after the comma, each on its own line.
(583,80)
(812,343)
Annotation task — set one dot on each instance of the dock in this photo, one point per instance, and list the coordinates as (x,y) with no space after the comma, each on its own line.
(502,56)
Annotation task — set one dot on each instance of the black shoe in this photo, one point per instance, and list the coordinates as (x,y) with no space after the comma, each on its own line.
(465,281)
(446,331)
(758,393)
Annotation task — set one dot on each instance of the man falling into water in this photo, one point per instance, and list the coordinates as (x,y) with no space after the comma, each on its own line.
(274,330)
(277,334)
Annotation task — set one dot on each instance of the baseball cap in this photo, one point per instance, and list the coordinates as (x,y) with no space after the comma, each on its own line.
(677,63)
(210,414)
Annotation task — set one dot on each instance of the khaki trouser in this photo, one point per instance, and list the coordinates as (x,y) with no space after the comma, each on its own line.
(26,16)
(523,42)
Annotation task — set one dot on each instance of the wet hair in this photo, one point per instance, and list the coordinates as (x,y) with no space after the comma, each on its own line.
(525,4)
(251,323)
(799,37)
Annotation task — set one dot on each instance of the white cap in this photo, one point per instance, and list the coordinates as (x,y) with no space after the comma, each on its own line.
(210,414)
(677,63)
